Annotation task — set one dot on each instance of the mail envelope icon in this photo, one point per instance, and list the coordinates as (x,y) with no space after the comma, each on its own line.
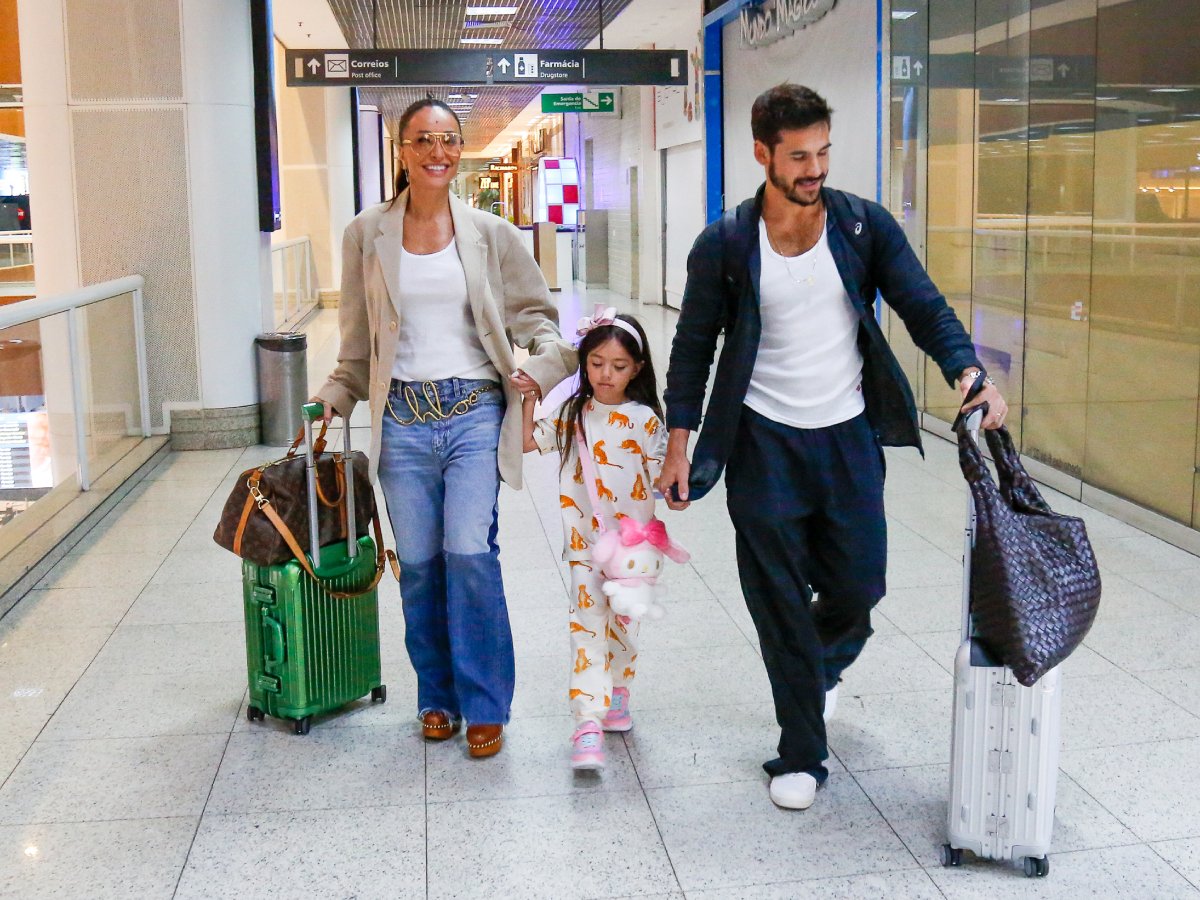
(337,65)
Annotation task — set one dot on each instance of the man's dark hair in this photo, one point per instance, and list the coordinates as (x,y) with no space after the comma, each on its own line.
(785,107)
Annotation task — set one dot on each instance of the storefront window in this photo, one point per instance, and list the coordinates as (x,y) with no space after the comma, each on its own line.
(1062,221)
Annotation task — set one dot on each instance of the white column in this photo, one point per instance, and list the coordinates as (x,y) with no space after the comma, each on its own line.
(340,154)
(230,253)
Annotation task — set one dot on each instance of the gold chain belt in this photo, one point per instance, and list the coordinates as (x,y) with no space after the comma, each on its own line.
(435,413)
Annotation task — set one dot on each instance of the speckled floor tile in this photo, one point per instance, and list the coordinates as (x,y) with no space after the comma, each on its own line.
(493,842)
(169,649)
(893,663)
(883,731)
(913,801)
(329,768)
(1143,645)
(102,570)
(910,885)
(1143,785)
(1116,872)
(743,833)
(127,778)
(1092,716)
(534,763)
(136,858)
(186,604)
(120,705)
(367,853)
(44,610)
(1179,685)
(696,677)
(1184,857)
(675,747)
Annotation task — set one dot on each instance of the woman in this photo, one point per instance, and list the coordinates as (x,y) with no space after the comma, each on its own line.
(434,295)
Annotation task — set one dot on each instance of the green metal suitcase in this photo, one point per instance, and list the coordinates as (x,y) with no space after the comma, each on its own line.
(307,651)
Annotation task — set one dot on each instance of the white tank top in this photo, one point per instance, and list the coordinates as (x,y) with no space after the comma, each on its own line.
(438,338)
(808,372)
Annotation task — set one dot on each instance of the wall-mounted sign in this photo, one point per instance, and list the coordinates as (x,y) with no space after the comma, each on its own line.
(591,102)
(503,167)
(379,68)
(774,19)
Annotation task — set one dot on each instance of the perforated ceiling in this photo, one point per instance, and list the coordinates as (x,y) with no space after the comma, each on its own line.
(434,24)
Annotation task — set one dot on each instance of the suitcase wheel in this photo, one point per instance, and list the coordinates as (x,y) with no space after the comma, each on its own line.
(379,694)
(951,856)
(1036,867)
(301,726)
(254,714)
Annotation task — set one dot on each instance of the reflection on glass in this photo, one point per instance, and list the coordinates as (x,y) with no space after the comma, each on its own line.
(1064,226)
(1145,319)
(1058,281)
(952,170)
(906,199)
(112,404)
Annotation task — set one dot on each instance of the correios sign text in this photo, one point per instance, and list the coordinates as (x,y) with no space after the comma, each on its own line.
(774,19)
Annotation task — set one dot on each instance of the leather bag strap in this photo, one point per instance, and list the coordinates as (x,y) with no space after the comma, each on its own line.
(382,557)
(590,478)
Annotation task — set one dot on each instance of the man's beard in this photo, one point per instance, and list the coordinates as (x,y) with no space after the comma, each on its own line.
(791,191)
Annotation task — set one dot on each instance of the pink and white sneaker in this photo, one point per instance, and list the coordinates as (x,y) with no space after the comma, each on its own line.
(617,718)
(587,748)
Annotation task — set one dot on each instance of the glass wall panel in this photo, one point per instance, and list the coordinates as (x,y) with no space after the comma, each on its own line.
(1062,222)
(111,400)
(908,160)
(1062,119)
(1002,194)
(1144,360)
(951,199)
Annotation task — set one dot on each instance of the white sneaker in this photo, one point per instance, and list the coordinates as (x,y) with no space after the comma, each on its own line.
(831,702)
(795,790)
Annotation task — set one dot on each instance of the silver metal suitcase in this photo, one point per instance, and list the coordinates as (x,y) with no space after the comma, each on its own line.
(1003,751)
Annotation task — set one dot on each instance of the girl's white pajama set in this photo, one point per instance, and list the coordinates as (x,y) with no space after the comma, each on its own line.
(628,443)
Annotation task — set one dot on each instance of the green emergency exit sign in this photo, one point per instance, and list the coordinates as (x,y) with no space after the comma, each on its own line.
(589,102)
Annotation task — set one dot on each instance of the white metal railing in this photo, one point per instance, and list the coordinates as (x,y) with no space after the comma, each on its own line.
(292,276)
(16,248)
(72,304)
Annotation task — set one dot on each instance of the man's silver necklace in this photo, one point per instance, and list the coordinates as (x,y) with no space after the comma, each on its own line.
(811,278)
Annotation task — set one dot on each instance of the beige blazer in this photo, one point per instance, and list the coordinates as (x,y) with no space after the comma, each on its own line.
(509,299)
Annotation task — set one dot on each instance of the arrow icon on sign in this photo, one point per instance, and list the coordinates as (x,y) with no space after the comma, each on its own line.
(1063,69)
(504,64)
(606,101)
(917,67)
(313,65)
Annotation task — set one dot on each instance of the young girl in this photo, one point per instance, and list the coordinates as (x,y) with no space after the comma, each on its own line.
(616,408)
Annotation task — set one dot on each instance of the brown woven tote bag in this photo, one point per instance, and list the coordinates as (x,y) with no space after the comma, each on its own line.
(1035,585)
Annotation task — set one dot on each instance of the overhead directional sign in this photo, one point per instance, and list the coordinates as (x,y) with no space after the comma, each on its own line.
(381,68)
(590,102)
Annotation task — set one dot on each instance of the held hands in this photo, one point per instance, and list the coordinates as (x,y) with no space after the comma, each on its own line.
(997,408)
(526,385)
(675,470)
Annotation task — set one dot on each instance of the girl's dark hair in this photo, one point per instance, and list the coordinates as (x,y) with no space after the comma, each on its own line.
(413,109)
(642,388)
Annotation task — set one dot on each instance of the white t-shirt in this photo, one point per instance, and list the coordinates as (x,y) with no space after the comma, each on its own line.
(808,372)
(438,338)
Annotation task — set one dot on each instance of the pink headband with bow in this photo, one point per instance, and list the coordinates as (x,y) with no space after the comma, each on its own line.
(607,315)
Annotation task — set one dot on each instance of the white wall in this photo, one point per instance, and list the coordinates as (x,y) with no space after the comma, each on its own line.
(836,58)
(684,212)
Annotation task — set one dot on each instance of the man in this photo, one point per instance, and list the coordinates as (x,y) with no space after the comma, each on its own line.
(805,394)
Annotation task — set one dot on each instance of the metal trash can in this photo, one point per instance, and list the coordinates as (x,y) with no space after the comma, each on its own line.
(282,384)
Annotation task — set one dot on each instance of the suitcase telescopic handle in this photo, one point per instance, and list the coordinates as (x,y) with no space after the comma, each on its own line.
(974,420)
(311,413)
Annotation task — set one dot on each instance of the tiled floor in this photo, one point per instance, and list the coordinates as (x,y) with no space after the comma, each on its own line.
(127,768)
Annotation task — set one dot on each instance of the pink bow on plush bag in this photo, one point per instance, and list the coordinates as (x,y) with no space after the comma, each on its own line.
(601,315)
(653,533)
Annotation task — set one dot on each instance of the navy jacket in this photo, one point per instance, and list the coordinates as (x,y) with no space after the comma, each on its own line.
(872,254)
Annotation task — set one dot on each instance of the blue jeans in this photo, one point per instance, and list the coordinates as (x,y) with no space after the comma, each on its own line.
(441,481)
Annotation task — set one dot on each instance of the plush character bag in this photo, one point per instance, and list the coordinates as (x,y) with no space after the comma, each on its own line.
(631,557)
